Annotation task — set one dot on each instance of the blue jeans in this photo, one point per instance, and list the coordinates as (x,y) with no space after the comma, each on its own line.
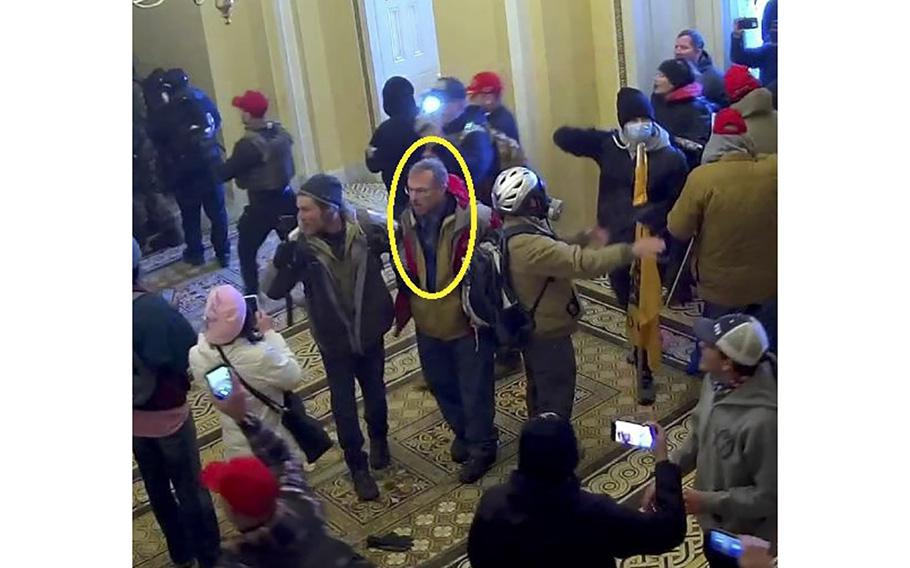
(460,376)
(188,522)
(204,195)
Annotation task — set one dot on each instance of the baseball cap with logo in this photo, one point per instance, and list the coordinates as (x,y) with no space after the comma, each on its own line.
(740,337)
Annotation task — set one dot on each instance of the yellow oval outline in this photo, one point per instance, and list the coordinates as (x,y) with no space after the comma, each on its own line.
(390,214)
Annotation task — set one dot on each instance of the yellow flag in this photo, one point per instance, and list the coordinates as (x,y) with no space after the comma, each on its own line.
(643,317)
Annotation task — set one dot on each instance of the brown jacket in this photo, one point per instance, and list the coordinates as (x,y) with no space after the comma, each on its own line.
(730,206)
(758,111)
(534,258)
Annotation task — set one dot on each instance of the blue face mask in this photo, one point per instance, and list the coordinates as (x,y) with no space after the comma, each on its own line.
(636,132)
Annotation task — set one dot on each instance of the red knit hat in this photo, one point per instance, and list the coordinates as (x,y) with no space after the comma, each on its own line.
(738,82)
(729,121)
(252,102)
(485,82)
(245,483)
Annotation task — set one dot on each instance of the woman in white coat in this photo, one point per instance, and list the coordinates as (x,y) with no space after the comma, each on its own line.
(257,353)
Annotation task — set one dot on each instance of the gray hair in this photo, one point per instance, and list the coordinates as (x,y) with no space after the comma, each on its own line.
(435,165)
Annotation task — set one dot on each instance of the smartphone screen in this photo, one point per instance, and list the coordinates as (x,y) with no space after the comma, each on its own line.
(632,434)
(726,544)
(252,304)
(219,380)
(748,23)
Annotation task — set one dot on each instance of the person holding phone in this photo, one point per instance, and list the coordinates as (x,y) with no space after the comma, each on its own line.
(542,517)
(336,252)
(246,341)
(763,57)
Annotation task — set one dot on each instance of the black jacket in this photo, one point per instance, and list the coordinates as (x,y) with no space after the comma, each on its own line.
(712,82)
(687,115)
(667,173)
(469,135)
(327,280)
(528,523)
(162,339)
(391,140)
(503,120)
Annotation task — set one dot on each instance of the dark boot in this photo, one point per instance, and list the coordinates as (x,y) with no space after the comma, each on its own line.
(647,390)
(476,467)
(364,485)
(458,451)
(380,457)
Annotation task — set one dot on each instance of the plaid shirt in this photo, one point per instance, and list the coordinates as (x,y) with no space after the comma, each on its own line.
(298,520)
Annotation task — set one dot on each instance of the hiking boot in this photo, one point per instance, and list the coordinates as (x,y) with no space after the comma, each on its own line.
(458,451)
(475,468)
(380,458)
(364,485)
(224,260)
(193,259)
(647,390)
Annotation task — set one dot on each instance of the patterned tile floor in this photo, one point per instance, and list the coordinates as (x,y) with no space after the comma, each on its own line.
(420,492)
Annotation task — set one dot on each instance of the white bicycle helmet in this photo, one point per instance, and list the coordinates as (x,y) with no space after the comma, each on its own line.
(512,187)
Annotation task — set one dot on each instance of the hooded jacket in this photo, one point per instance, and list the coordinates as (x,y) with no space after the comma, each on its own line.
(733,448)
(730,207)
(346,298)
(261,160)
(685,114)
(269,366)
(711,80)
(394,136)
(534,259)
(533,523)
(666,176)
(757,109)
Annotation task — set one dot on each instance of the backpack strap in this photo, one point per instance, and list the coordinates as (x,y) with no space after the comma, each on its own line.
(279,408)
(522,229)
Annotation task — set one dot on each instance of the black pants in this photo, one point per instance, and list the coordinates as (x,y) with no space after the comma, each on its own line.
(203,194)
(621,282)
(460,376)
(188,522)
(260,218)
(369,371)
(550,370)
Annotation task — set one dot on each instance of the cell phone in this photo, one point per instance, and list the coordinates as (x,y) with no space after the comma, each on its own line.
(632,434)
(252,304)
(747,23)
(725,543)
(219,380)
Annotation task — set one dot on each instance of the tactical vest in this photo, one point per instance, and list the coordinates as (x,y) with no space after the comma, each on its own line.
(277,166)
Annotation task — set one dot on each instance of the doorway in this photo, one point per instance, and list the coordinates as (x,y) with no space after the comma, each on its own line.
(401,40)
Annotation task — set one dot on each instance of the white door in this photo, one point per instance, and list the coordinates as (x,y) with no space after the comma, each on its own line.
(402,37)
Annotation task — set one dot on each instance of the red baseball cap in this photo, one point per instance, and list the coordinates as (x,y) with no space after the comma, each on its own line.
(485,82)
(245,483)
(252,102)
(738,82)
(729,121)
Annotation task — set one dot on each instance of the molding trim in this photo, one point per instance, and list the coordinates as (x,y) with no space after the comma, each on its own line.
(620,44)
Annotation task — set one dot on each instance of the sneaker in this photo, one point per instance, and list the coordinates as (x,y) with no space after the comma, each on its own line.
(380,458)
(193,260)
(475,468)
(364,485)
(647,391)
(458,451)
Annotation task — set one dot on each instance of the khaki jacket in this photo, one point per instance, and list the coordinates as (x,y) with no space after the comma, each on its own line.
(758,111)
(730,206)
(535,258)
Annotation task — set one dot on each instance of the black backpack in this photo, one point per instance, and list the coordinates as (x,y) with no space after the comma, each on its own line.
(487,294)
(192,148)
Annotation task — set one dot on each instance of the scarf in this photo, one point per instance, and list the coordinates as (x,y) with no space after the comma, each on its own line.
(659,139)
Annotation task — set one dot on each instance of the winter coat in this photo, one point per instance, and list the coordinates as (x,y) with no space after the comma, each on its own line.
(162,338)
(533,259)
(532,523)
(392,139)
(685,114)
(712,81)
(262,159)
(763,58)
(269,366)
(730,207)
(758,111)
(468,133)
(733,448)
(444,318)
(666,175)
(503,120)
(346,299)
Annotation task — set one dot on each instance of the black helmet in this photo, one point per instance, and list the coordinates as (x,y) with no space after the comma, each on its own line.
(175,79)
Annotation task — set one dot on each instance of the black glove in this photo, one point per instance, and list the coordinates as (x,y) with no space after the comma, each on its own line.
(391,542)
(284,255)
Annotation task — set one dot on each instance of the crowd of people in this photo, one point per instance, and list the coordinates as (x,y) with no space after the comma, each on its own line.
(708,140)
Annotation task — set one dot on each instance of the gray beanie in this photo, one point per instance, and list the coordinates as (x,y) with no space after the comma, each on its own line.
(324,188)
(137,254)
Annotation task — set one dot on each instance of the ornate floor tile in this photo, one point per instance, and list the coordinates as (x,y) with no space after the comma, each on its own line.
(403,484)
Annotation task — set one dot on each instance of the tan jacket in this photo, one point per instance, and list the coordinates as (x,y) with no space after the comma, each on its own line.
(758,111)
(731,208)
(534,258)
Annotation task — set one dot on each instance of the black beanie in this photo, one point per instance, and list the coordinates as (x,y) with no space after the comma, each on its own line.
(324,188)
(398,98)
(678,71)
(548,449)
(632,103)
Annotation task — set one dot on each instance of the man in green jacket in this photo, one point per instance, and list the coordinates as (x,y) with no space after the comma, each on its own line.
(733,444)
(542,268)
